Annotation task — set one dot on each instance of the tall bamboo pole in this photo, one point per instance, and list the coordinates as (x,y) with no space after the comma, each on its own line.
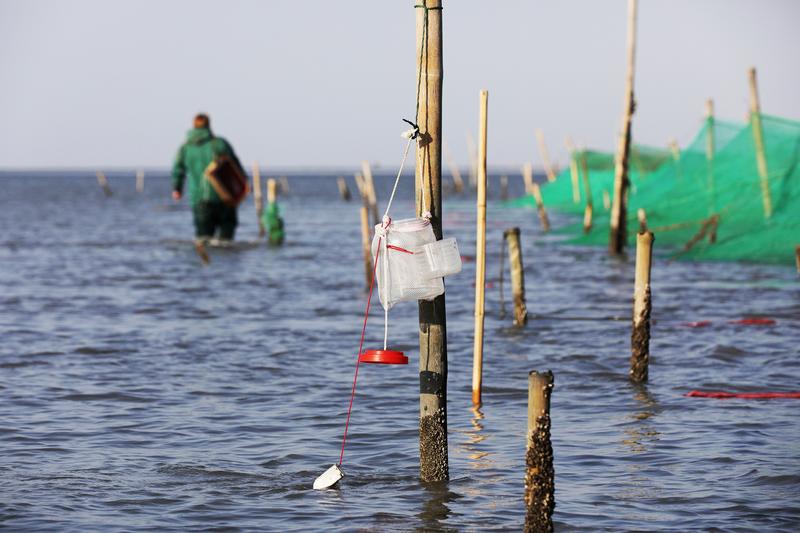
(619,223)
(587,188)
(710,150)
(480,254)
(573,171)
(758,139)
(548,168)
(258,198)
(433,457)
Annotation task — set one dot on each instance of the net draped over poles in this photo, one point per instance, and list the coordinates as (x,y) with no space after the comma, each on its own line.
(703,206)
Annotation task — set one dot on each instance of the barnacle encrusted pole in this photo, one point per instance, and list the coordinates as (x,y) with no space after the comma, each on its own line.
(539,474)
(619,209)
(433,457)
(640,337)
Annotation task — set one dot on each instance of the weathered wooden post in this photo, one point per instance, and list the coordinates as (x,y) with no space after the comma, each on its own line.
(540,476)
(284,181)
(573,171)
(103,182)
(140,180)
(587,191)
(365,244)
(548,168)
(480,254)
(258,198)
(710,150)
(370,189)
(517,276)
(640,337)
(619,209)
(504,187)
(531,187)
(433,456)
(758,139)
(344,192)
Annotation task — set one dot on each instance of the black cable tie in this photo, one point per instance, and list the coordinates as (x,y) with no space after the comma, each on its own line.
(416,128)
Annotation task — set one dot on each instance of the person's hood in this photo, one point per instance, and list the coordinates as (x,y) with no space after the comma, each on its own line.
(198,135)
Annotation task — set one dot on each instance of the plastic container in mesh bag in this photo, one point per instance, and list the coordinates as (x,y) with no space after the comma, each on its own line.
(412,262)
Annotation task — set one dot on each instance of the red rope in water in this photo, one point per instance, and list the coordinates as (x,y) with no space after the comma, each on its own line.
(742,395)
(360,347)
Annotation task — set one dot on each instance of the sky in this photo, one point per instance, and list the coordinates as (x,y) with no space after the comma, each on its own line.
(322,83)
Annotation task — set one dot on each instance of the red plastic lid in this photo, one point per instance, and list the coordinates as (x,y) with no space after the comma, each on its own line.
(383,357)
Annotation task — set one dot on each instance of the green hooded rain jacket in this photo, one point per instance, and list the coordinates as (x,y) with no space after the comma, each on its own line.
(200,149)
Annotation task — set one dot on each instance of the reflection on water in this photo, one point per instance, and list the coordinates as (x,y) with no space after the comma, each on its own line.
(641,433)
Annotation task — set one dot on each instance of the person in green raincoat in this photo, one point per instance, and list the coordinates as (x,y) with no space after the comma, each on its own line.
(212,218)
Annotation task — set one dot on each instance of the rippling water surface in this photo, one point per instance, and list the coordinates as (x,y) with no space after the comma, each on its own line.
(141,391)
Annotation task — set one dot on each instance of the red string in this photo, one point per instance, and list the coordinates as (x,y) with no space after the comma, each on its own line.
(360,347)
(742,395)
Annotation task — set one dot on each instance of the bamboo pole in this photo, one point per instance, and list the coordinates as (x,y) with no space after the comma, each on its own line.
(344,192)
(676,158)
(573,172)
(641,214)
(758,139)
(517,276)
(587,191)
(640,336)
(272,191)
(433,457)
(531,187)
(710,151)
(458,182)
(103,182)
(258,199)
(606,200)
(548,168)
(362,189)
(366,245)
(619,223)
(140,180)
(504,187)
(480,253)
(370,188)
(539,474)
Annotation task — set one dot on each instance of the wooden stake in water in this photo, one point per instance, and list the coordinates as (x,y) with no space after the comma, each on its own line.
(517,276)
(587,191)
(573,172)
(641,214)
(540,499)
(433,457)
(619,209)
(758,139)
(284,181)
(504,187)
(480,253)
(548,168)
(710,150)
(640,338)
(140,180)
(344,192)
(258,199)
(103,182)
(370,189)
(531,187)
(366,245)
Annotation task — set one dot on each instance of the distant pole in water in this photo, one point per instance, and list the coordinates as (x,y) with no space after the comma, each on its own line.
(433,456)
(641,214)
(344,192)
(548,168)
(573,171)
(640,337)
(140,180)
(540,476)
(517,276)
(458,182)
(365,244)
(758,139)
(587,188)
(258,199)
(531,187)
(710,150)
(370,189)
(284,181)
(480,254)
(619,224)
(504,187)
(103,181)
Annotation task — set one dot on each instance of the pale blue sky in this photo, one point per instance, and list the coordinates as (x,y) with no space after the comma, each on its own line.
(88,83)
